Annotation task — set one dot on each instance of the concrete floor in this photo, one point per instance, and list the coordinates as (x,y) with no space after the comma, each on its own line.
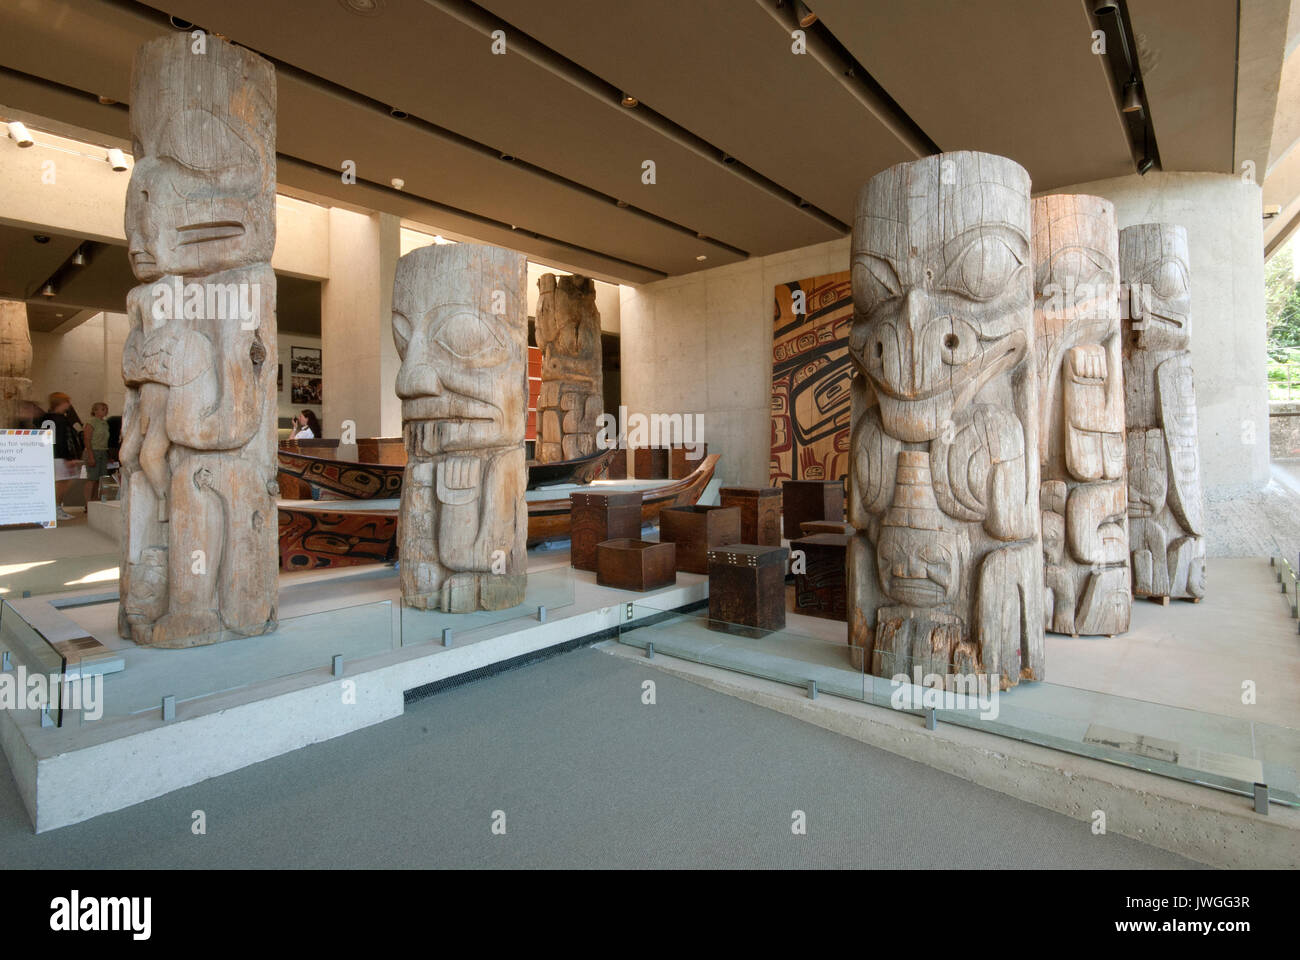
(587,776)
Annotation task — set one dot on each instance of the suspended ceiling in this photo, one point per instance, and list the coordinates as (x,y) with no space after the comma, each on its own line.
(756,149)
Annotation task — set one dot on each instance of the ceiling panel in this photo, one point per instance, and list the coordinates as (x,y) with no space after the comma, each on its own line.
(1009,77)
(1189,69)
(733,81)
(449,76)
(26,264)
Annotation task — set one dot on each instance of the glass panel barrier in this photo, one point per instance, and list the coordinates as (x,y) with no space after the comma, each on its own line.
(97,572)
(1227,753)
(551,588)
(28,650)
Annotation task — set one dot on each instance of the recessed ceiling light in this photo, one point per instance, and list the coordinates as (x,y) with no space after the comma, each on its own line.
(397,114)
(180,24)
(507,157)
(398,183)
(363,8)
(40,238)
(620,203)
(701,257)
(806,17)
(106,101)
(629,101)
(59,316)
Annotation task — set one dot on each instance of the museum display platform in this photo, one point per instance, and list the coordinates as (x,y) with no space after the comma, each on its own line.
(345,655)
(1198,726)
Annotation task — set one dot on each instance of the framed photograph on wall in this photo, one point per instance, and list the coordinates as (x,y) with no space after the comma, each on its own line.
(306,390)
(279,378)
(305,360)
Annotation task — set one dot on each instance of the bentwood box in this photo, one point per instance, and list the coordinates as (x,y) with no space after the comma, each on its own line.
(810,500)
(650,463)
(635,564)
(747,587)
(616,469)
(820,589)
(683,460)
(601,516)
(695,530)
(760,513)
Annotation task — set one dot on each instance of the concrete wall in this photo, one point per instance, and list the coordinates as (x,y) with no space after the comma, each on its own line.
(703,344)
(73,363)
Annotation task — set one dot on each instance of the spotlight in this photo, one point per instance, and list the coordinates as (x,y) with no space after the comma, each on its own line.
(398,183)
(48,290)
(1132,102)
(1104,8)
(40,238)
(106,101)
(629,101)
(1271,210)
(806,17)
(180,24)
(397,114)
(620,203)
(19,134)
(701,258)
(508,158)
(1145,164)
(79,258)
(117,160)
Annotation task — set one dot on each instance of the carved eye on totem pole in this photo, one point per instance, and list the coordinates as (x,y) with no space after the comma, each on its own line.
(460,339)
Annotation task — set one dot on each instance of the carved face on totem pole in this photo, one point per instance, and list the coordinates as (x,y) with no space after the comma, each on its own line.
(945,569)
(461,331)
(203,131)
(459,321)
(1159,288)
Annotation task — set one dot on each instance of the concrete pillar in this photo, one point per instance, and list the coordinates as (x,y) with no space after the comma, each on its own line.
(1222,215)
(116,328)
(358,357)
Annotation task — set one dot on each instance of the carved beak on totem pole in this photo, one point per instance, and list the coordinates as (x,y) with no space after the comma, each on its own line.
(1160,305)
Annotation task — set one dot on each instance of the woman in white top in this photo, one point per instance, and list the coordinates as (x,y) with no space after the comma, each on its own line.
(305,426)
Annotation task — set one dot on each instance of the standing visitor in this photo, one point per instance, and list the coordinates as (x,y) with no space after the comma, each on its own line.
(96,434)
(67,448)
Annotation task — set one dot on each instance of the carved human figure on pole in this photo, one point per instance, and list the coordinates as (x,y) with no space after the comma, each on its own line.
(1165,505)
(1081,422)
(945,569)
(199,424)
(571,399)
(461,328)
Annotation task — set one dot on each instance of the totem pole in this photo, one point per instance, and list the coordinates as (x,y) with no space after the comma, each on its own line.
(461,327)
(199,426)
(15,360)
(1081,419)
(571,400)
(1165,506)
(945,569)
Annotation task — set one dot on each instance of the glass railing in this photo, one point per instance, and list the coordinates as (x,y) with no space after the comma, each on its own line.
(1224,752)
(22,648)
(546,590)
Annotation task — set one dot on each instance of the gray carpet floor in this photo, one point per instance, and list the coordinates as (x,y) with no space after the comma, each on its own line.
(586,776)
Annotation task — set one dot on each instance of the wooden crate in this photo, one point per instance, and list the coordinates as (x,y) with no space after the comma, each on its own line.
(596,517)
(810,500)
(682,461)
(650,463)
(616,469)
(636,564)
(381,450)
(820,590)
(696,530)
(747,588)
(760,513)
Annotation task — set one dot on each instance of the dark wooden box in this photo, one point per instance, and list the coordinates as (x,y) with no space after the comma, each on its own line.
(810,500)
(681,462)
(821,589)
(747,588)
(596,517)
(382,450)
(636,564)
(650,463)
(616,469)
(760,513)
(696,530)
(810,528)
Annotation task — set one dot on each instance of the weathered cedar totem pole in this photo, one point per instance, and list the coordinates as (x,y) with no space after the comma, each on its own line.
(461,327)
(199,426)
(1081,421)
(945,570)
(15,359)
(571,399)
(1165,507)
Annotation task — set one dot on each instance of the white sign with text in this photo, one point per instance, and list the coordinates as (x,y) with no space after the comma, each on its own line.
(27,477)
